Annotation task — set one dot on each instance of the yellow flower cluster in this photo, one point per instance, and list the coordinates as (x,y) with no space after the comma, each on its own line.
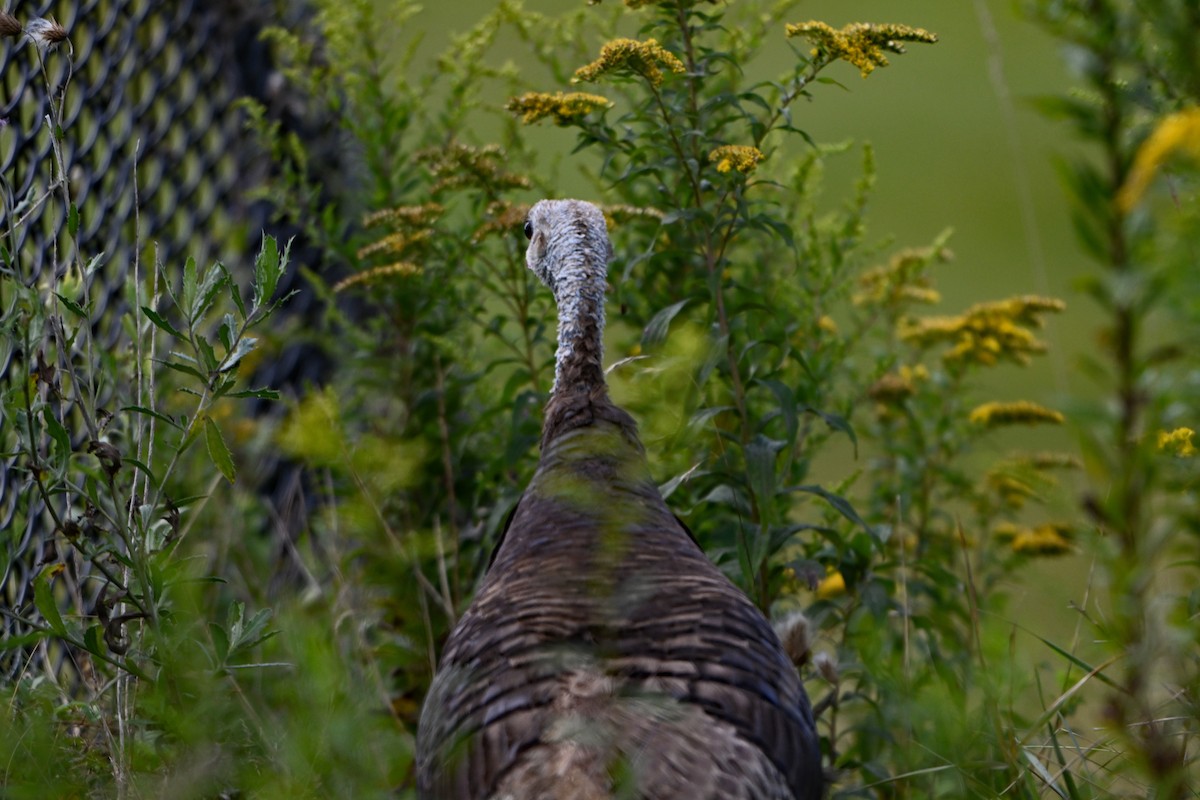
(831,585)
(1177,132)
(987,332)
(393,244)
(1047,539)
(615,213)
(1178,441)
(459,164)
(729,157)
(893,388)
(1016,479)
(630,55)
(1012,490)
(502,218)
(411,228)
(377,273)
(1021,412)
(1044,461)
(562,108)
(411,217)
(861,44)
(901,279)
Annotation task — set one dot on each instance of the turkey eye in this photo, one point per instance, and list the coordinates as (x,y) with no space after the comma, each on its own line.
(528,229)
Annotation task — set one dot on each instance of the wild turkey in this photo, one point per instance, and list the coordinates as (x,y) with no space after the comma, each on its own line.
(604,654)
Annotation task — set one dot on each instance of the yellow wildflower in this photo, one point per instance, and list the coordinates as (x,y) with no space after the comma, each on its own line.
(1048,539)
(987,332)
(562,108)
(891,389)
(861,44)
(918,373)
(376,273)
(1021,412)
(404,216)
(902,278)
(1012,491)
(1178,441)
(738,157)
(1021,476)
(1177,132)
(458,165)
(1042,461)
(826,323)
(831,585)
(630,55)
(615,213)
(394,244)
(1006,531)
(501,218)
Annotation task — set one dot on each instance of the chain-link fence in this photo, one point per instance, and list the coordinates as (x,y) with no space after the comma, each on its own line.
(150,88)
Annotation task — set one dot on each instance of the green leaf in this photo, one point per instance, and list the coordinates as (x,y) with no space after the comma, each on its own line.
(838,423)
(266,272)
(62,439)
(221,457)
(261,394)
(840,504)
(227,331)
(43,598)
(761,455)
(211,283)
(668,488)
(71,305)
(208,357)
(160,322)
(220,641)
(235,292)
(244,347)
(787,407)
(93,640)
(93,265)
(189,287)
(145,469)
(150,412)
(660,323)
(184,368)
(73,220)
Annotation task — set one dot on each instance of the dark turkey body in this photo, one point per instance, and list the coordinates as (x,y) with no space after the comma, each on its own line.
(604,655)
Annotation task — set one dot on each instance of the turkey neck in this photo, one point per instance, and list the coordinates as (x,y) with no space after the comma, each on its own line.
(579,293)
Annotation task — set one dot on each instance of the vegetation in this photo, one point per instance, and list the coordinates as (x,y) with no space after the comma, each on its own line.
(758,332)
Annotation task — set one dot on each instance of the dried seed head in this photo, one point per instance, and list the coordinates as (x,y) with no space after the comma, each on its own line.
(45,33)
(793,631)
(826,666)
(10,27)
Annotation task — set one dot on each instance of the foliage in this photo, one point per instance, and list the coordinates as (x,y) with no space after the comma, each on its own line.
(1137,110)
(816,425)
